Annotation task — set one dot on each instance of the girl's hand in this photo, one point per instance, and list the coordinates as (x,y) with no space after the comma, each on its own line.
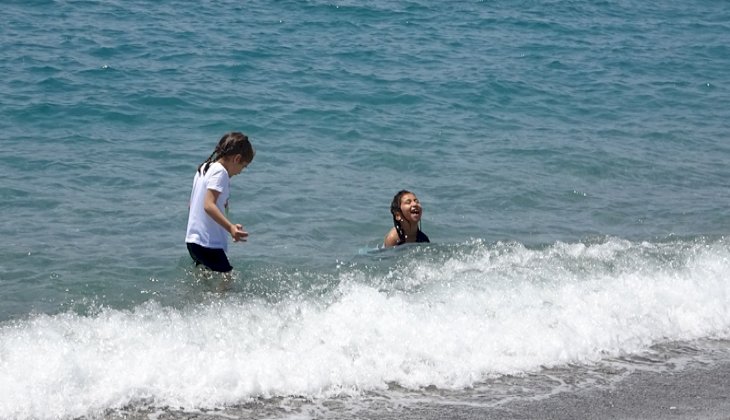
(238,234)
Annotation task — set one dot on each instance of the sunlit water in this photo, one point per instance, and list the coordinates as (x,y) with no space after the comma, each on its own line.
(571,159)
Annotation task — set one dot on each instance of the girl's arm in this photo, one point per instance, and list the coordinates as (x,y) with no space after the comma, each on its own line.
(236,231)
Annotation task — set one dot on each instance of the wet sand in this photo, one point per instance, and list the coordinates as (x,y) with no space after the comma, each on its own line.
(699,389)
(696,392)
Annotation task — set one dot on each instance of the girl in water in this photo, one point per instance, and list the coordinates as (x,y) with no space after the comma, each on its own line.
(406,211)
(208,227)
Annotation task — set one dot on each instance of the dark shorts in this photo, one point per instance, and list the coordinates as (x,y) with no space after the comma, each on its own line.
(215,259)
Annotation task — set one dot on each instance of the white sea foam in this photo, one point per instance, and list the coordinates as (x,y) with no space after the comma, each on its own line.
(448,321)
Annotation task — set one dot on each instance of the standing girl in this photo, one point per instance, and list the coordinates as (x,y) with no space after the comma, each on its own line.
(406,211)
(208,227)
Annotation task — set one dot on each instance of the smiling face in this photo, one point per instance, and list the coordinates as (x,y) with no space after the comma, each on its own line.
(410,208)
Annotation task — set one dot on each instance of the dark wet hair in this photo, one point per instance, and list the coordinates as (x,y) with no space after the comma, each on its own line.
(395,208)
(233,143)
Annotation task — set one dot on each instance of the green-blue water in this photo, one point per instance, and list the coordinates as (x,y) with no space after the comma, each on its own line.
(575,146)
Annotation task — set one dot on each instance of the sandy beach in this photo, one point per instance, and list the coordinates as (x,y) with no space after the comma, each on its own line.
(696,392)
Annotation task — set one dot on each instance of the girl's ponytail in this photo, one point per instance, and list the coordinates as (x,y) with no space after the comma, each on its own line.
(206,164)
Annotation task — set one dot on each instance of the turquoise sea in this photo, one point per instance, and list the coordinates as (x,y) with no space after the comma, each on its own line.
(571,158)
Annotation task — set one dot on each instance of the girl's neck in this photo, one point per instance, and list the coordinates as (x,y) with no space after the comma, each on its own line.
(410,230)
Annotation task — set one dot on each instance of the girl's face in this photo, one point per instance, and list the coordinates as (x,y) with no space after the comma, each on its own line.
(239,164)
(410,208)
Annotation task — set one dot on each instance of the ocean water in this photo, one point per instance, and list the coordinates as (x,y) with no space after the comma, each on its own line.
(571,158)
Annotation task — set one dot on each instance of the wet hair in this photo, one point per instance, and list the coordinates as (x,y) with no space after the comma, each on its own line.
(233,143)
(394,209)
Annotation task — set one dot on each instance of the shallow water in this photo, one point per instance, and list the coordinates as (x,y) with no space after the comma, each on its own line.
(570,157)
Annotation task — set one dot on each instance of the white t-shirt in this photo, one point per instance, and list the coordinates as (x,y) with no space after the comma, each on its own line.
(202,229)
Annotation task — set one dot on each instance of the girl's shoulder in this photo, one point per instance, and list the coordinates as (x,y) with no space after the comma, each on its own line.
(215,170)
(391,238)
(216,166)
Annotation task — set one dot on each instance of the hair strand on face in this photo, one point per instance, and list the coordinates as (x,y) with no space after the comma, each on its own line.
(394,210)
